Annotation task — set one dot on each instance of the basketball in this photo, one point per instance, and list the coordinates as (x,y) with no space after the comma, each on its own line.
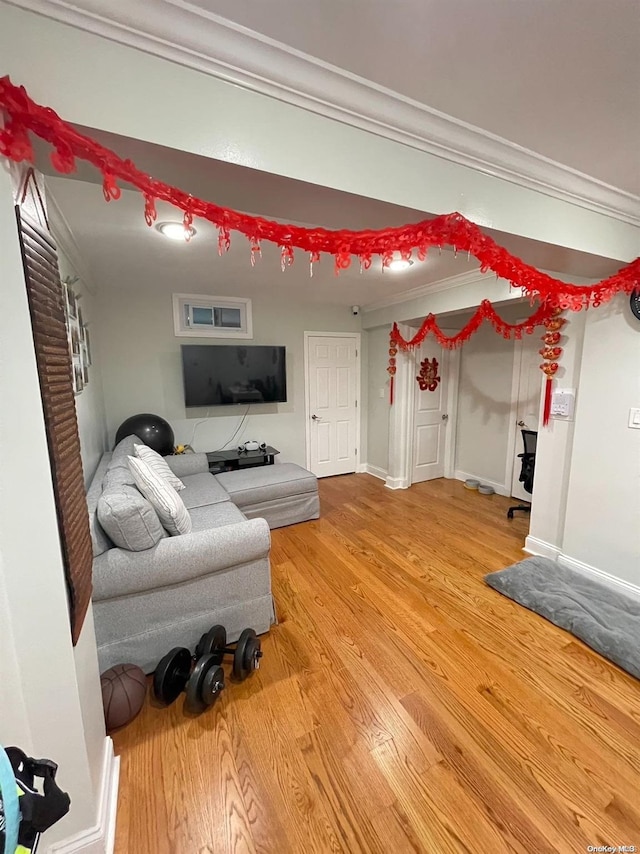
(124,688)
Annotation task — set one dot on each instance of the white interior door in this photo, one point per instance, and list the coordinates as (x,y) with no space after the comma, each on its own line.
(430,418)
(332,414)
(527,363)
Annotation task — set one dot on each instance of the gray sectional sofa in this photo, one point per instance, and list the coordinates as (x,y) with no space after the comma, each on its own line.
(148,600)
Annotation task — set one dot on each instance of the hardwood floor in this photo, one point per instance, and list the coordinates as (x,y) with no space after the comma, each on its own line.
(402,705)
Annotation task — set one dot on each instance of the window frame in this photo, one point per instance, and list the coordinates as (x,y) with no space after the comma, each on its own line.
(183,330)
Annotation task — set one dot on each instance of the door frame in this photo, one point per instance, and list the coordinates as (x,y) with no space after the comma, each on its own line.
(514,430)
(512,436)
(307,407)
(402,415)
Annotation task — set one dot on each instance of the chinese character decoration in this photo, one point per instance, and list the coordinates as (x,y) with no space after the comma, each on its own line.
(551,352)
(428,377)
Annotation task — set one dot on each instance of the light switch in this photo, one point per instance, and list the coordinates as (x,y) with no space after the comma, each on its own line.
(562,403)
(381,392)
(634,418)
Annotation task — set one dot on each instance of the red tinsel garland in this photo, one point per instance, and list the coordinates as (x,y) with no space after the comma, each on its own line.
(25,115)
(485,311)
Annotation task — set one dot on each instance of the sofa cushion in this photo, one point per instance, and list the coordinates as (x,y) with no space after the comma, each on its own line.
(265,483)
(129,519)
(215,516)
(165,500)
(100,542)
(156,462)
(124,448)
(118,474)
(188,463)
(202,489)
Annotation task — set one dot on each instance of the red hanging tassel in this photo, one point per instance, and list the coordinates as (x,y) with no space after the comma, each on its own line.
(548,391)
(391,391)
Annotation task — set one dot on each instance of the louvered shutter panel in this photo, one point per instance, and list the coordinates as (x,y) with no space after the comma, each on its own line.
(44,290)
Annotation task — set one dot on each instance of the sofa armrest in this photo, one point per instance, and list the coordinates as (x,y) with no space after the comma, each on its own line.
(173,560)
(183,465)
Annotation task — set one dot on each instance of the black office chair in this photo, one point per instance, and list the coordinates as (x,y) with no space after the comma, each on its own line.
(530,440)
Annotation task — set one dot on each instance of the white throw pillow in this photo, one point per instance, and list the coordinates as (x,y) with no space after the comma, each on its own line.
(157,463)
(163,497)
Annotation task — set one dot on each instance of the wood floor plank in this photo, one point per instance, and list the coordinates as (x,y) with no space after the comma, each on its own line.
(474,771)
(402,705)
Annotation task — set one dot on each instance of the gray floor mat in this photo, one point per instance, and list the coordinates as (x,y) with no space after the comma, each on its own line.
(606,619)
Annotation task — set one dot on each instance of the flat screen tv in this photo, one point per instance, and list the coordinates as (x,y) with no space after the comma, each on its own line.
(221,375)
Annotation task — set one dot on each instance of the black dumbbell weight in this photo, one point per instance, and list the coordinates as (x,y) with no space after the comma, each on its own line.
(246,655)
(213,642)
(204,685)
(174,675)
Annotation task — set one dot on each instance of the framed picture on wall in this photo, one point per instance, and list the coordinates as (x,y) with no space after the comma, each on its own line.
(87,344)
(72,305)
(77,336)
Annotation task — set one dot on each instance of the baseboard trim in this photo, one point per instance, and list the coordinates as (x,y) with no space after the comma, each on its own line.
(101,838)
(376,471)
(396,483)
(540,548)
(500,488)
(586,569)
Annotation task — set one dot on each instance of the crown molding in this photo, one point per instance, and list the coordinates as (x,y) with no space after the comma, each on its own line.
(178,31)
(471,277)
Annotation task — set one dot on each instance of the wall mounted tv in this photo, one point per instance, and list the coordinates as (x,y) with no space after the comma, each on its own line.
(221,375)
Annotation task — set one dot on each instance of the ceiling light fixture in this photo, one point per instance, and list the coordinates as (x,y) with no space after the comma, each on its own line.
(175,230)
(399,264)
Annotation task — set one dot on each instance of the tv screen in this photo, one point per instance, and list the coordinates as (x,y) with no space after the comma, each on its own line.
(221,375)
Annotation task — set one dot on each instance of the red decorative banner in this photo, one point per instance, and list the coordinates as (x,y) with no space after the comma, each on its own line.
(428,378)
(550,353)
(24,116)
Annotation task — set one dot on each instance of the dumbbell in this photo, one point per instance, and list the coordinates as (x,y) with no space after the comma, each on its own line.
(246,655)
(203,684)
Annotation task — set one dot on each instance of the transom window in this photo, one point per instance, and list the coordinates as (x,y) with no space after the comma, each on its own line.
(202,316)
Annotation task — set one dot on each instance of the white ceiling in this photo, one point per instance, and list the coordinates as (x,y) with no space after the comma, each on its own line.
(559,77)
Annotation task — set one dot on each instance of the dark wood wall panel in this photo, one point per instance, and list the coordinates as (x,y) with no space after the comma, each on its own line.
(46,304)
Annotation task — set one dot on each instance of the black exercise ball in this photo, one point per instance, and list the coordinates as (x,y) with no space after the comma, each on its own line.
(153,430)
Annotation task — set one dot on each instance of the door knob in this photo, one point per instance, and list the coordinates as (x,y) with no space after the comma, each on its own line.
(445,417)
(316,418)
(521,424)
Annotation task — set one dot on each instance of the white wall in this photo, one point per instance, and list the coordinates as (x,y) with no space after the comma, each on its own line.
(90,411)
(554,451)
(484,417)
(377,421)
(142,368)
(48,704)
(602,523)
